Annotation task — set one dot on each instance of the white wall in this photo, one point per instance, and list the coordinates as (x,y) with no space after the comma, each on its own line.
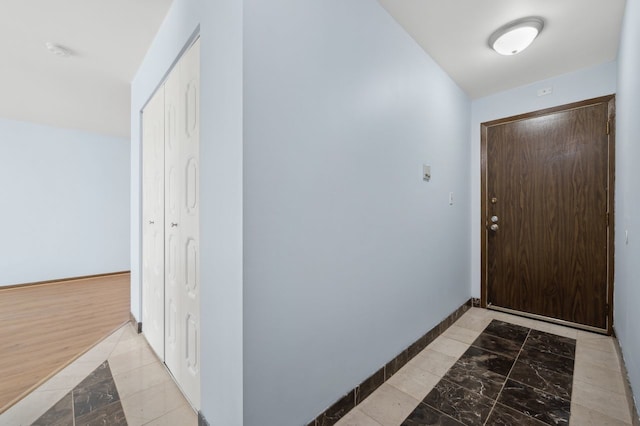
(349,255)
(627,267)
(65,201)
(583,84)
(220,190)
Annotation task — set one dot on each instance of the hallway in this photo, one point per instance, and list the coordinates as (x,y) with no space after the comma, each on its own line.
(591,391)
(456,380)
(132,383)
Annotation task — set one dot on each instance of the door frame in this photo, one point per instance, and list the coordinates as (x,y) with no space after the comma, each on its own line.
(484,217)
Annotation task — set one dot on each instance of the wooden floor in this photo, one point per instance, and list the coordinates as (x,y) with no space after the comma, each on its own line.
(46,326)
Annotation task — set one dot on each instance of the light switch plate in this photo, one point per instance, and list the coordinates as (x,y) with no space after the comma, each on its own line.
(426,172)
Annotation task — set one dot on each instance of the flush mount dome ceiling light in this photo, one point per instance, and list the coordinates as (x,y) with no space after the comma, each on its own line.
(58,50)
(516,36)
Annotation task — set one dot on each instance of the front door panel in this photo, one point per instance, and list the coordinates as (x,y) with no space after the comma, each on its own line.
(546,214)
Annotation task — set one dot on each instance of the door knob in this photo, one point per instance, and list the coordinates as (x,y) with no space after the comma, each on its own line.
(173,224)
(494,219)
(151,222)
(494,227)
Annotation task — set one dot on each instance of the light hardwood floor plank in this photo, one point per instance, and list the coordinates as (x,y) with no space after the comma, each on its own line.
(44,327)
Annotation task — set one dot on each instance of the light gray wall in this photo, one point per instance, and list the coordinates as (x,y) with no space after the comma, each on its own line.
(583,84)
(220,24)
(349,255)
(65,201)
(627,265)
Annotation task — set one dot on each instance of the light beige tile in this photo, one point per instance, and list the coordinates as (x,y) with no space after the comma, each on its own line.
(152,403)
(17,417)
(434,362)
(473,322)
(133,420)
(596,342)
(479,312)
(70,376)
(601,377)
(518,320)
(96,354)
(183,416)
(414,381)
(603,359)
(460,334)
(141,378)
(132,359)
(608,403)
(582,416)
(388,405)
(356,417)
(448,346)
(127,345)
(128,332)
(31,407)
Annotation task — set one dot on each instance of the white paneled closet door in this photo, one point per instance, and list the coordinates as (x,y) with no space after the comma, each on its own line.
(187,294)
(153,141)
(181,235)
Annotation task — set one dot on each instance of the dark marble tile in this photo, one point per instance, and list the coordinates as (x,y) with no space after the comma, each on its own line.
(61,414)
(396,364)
(99,374)
(551,343)
(540,377)
(483,359)
(98,395)
(535,403)
(498,345)
(112,415)
(340,408)
(502,415)
(424,415)
(337,410)
(479,380)
(508,331)
(557,363)
(367,387)
(463,405)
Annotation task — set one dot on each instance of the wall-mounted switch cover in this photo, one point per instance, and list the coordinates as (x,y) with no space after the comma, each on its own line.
(426,172)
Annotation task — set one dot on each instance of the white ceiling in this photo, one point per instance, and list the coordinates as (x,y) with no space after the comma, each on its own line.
(455,33)
(90,90)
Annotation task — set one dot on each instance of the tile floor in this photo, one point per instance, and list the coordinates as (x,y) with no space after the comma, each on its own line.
(498,369)
(144,390)
(427,390)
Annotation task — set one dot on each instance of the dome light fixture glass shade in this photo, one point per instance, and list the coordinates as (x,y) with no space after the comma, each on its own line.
(58,49)
(516,36)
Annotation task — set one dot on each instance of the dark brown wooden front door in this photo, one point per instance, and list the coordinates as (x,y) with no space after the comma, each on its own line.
(547,209)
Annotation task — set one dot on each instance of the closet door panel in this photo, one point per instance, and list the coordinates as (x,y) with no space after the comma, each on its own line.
(189,140)
(173,186)
(153,222)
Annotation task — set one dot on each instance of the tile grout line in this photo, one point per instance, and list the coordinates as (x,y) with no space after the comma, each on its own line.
(507,376)
(73,409)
